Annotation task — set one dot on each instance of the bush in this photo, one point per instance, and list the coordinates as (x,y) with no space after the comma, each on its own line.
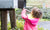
(20,24)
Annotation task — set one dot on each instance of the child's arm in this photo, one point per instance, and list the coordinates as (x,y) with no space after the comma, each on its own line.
(23,14)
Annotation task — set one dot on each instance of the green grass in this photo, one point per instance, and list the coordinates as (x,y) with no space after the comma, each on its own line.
(20,25)
(44,20)
(0,25)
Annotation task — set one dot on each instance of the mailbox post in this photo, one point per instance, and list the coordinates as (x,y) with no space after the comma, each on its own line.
(4,6)
(12,19)
(3,20)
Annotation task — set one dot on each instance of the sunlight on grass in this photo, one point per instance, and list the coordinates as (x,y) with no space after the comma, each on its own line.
(44,20)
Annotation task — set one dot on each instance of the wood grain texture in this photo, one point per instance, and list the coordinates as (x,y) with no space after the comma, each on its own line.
(3,20)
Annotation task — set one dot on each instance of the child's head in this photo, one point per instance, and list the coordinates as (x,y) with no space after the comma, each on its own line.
(36,12)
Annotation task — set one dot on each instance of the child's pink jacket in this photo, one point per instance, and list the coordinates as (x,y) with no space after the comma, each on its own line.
(30,24)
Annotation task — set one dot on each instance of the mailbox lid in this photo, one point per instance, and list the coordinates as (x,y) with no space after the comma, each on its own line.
(6,3)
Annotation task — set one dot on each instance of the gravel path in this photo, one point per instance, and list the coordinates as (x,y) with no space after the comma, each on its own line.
(45,24)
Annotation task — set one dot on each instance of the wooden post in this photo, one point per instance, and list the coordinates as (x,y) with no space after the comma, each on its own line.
(12,19)
(3,20)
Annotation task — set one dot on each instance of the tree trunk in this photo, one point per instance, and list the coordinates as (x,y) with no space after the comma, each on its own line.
(12,18)
(3,20)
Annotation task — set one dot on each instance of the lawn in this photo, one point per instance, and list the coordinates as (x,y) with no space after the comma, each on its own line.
(20,24)
(44,20)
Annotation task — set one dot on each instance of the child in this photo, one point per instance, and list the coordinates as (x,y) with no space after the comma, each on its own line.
(31,20)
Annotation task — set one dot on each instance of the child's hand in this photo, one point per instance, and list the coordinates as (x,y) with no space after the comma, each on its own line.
(24,9)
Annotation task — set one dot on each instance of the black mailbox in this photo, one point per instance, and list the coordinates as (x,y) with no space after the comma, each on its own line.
(21,3)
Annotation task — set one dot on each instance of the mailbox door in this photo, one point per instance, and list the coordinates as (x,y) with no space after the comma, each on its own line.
(21,3)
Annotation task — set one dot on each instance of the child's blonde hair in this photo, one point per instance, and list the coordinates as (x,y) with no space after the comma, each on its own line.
(36,12)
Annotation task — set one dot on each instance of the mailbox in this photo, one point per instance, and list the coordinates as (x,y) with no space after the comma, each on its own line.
(8,3)
(11,4)
(21,3)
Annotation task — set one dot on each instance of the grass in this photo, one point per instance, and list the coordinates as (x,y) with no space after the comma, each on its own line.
(20,25)
(0,25)
(44,20)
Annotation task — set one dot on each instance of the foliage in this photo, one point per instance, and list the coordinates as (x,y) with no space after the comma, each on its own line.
(0,25)
(20,25)
(9,26)
(18,13)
